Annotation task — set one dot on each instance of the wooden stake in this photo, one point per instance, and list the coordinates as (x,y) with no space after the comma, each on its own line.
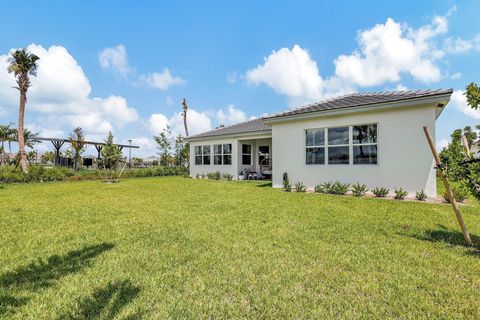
(467,147)
(454,203)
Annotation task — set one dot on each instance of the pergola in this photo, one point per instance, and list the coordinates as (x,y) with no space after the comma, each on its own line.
(58,143)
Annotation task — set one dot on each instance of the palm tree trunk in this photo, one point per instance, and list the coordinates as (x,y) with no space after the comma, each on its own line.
(21,140)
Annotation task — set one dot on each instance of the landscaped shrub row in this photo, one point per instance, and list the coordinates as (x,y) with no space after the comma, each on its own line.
(360,190)
(214,176)
(10,174)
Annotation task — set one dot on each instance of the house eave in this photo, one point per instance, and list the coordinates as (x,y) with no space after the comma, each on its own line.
(444,99)
(261,133)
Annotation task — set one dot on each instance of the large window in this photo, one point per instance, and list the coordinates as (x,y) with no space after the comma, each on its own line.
(315,146)
(222,154)
(339,145)
(202,155)
(247,154)
(365,144)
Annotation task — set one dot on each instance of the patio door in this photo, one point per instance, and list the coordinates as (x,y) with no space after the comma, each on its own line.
(263,152)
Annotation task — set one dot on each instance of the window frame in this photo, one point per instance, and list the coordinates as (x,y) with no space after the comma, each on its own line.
(202,154)
(350,145)
(247,154)
(222,154)
(315,146)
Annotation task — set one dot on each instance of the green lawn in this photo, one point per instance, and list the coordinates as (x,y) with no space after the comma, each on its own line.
(182,248)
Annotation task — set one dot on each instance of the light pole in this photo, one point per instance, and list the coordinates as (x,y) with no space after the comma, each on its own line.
(130,154)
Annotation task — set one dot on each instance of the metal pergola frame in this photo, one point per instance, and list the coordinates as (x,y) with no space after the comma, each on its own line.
(58,143)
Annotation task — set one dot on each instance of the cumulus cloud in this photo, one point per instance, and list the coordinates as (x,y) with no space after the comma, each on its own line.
(116,59)
(197,122)
(459,101)
(161,80)
(230,116)
(60,94)
(388,50)
(458,45)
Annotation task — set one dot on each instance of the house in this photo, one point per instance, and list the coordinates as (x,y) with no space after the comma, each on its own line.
(375,139)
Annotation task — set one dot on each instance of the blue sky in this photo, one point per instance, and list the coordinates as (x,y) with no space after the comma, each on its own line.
(125,66)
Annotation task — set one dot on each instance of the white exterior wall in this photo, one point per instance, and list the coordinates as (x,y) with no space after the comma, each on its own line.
(199,169)
(404,158)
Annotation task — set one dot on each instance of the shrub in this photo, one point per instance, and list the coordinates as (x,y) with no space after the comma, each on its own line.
(227,176)
(203,175)
(325,187)
(400,194)
(300,187)
(460,194)
(318,188)
(197,176)
(359,190)
(380,192)
(339,188)
(420,195)
(214,175)
(287,186)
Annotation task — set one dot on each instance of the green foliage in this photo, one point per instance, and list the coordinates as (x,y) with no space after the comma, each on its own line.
(164,146)
(227,176)
(380,192)
(460,193)
(77,146)
(300,187)
(214,175)
(111,154)
(420,195)
(318,188)
(359,190)
(473,95)
(400,194)
(339,188)
(325,187)
(287,186)
(181,151)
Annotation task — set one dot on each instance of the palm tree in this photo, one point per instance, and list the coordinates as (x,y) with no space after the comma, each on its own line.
(12,135)
(23,64)
(30,138)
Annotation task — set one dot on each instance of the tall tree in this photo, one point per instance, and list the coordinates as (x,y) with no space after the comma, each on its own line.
(111,153)
(23,64)
(77,144)
(30,138)
(164,146)
(184,114)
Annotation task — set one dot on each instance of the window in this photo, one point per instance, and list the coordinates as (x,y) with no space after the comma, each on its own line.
(202,155)
(365,144)
(222,154)
(315,146)
(263,153)
(338,145)
(247,154)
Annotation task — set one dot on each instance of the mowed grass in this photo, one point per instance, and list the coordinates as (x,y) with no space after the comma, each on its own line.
(172,247)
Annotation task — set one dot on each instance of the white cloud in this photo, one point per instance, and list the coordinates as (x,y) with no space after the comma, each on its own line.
(456,75)
(197,122)
(459,101)
(161,80)
(388,50)
(231,116)
(60,93)
(116,59)
(459,45)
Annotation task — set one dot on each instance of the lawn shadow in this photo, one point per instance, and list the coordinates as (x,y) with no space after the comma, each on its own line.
(43,274)
(264,185)
(106,302)
(9,303)
(454,238)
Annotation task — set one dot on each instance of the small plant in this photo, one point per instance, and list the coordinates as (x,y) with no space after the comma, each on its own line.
(287,186)
(203,175)
(460,194)
(300,187)
(197,176)
(227,176)
(359,190)
(325,187)
(380,192)
(421,195)
(400,194)
(339,188)
(318,188)
(214,175)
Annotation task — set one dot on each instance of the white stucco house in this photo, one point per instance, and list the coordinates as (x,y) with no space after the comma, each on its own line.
(372,138)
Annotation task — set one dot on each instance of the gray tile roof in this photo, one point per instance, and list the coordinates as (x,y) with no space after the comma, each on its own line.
(244,127)
(361,99)
(347,101)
